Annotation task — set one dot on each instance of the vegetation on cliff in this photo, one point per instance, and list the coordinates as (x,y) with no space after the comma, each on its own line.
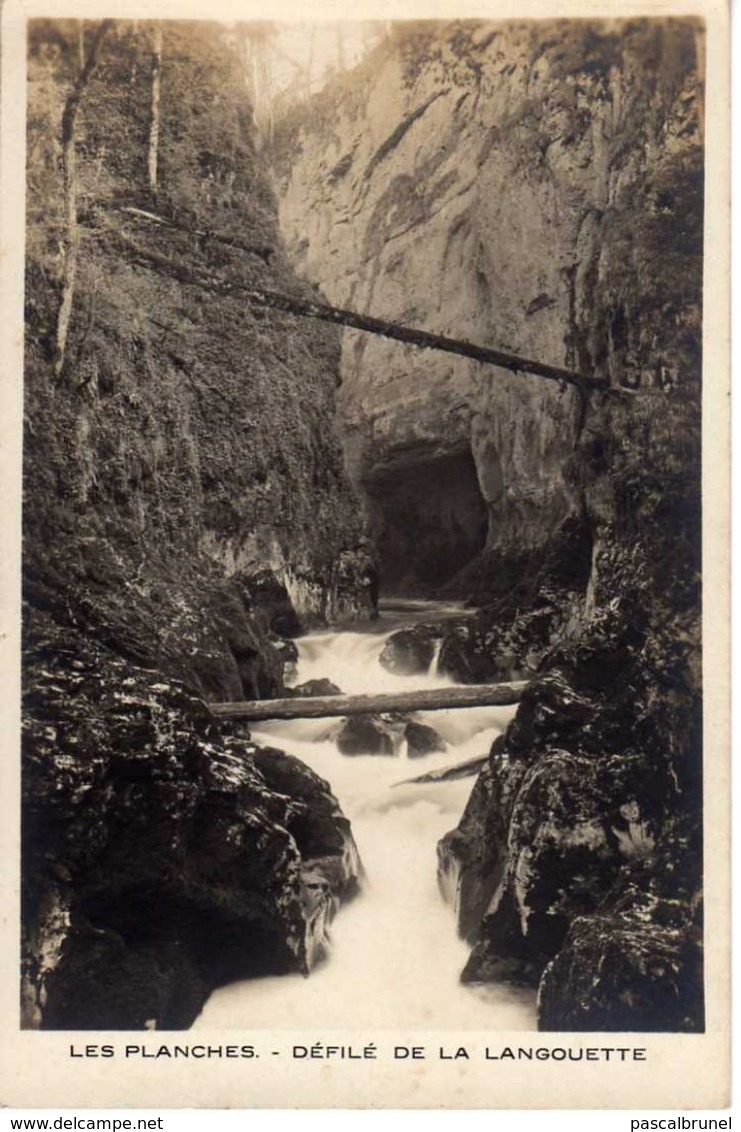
(182,447)
(184,503)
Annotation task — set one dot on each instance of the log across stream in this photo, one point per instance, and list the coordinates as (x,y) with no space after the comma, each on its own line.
(394,958)
(323,707)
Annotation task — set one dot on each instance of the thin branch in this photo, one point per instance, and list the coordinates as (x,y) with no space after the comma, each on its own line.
(262,251)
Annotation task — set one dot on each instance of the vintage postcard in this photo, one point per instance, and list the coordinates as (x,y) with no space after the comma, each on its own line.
(367,400)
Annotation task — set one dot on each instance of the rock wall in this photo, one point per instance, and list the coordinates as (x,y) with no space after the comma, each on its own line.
(182,455)
(463,179)
(539,186)
(184,503)
(163,857)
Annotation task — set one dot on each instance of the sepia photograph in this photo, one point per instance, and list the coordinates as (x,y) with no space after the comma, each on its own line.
(362,651)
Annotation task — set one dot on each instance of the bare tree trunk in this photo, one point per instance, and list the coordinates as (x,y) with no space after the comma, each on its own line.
(701,57)
(81,44)
(321,707)
(69,120)
(154,127)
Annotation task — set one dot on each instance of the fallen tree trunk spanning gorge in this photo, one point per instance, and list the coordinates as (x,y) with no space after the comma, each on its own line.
(428,699)
(422,338)
(308,308)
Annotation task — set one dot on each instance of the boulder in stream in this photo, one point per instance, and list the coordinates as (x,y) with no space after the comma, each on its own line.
(318,687)
(465,769)
(411,651)
(368,735)
(422,740)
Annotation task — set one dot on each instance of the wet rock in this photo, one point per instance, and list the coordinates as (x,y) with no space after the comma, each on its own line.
(529,604)
(410,651)
(259,663)
(636,966)
(486,651)
(367,735)
(288,652)
(574,793)
(467,656)
(559,861)
(471,858)
(102,983)
(235,729)
(319,687)
(161,859)
(355,583)
(422,740)
(551,711)
(269,595)
(315,821)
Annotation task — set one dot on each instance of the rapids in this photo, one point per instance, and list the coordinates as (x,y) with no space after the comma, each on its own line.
(394,958)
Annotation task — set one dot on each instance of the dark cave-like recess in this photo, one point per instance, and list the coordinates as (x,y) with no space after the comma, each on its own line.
(429,519)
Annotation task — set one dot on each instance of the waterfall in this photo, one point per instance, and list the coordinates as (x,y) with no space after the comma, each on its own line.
(394,957)
(434,671)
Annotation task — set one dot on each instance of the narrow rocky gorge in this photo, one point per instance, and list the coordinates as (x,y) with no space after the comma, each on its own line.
(206,481)
(539,186)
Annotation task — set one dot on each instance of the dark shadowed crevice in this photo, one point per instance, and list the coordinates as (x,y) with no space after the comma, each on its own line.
(428,519)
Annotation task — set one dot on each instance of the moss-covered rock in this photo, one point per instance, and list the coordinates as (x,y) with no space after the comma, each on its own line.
(367,735)
(635,964)
(598,773)
(410,651)
(161,858)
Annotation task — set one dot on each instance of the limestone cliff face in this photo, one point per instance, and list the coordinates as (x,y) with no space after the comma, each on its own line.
(484,181)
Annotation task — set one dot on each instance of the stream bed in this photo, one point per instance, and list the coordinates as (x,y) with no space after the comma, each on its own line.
(394,957)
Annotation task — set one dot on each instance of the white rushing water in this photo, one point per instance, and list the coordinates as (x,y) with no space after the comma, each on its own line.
(394,958)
